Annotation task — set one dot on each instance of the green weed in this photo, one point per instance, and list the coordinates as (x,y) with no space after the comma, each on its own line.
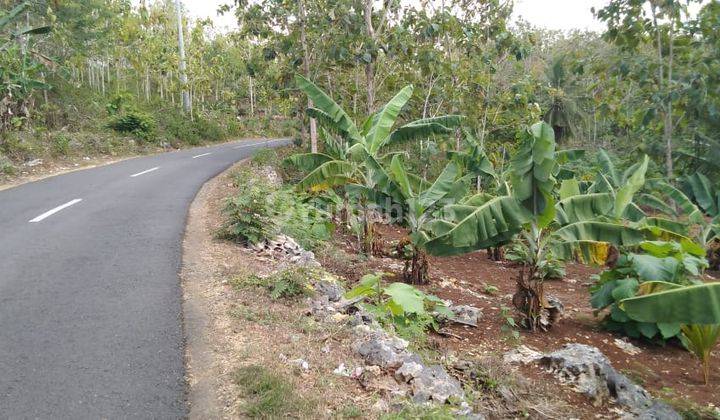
(268,395)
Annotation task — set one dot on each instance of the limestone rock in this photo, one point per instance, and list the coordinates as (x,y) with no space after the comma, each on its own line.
(521,355)
(435,384)
(466,315)
(409,371)
(332,290)
(591,373)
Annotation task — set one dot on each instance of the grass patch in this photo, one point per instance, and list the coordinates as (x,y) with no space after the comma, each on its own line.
(259,316)
(268,395)
(291,283)
(421,412)
(350,411)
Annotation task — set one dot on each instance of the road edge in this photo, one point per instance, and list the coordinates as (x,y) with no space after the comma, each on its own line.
(201,394)
(112,160)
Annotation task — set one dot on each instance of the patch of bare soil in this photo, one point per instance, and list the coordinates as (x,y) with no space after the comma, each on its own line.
(228,328)
(668,372)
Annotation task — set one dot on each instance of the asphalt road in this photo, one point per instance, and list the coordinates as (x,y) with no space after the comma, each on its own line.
(90,299)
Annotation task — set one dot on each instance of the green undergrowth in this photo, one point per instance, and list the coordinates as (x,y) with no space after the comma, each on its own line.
(269,395)
(88,124)
(290,283)
(262,209)
(421,412)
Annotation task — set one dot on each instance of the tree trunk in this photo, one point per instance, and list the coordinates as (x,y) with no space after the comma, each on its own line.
(369,68)
(306,69)
(252,98)
(668,132)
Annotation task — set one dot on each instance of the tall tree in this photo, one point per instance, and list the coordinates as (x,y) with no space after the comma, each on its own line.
(632,23)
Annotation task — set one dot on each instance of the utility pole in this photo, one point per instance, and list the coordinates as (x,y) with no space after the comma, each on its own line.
(183,73)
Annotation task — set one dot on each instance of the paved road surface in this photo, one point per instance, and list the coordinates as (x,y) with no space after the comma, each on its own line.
(90,311)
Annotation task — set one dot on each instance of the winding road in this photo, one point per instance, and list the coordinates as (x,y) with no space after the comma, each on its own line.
(90,299)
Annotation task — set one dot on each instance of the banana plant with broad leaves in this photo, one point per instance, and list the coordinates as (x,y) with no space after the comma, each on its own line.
(416,210)
(474,161)
(20,67)
(352,154)
(348,146)
(696,307)
(699,208)
(580,225)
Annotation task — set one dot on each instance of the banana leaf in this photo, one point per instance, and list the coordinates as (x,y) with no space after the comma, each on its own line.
(694,214)
(569,188)
(399,175)
(329,174)
(654,203)
(490,224)
(583,207)
(414,131)
(569,155)
(324,103)
(309,161)
(699,304)
(608,167)
(633,184)
(328,123)
(440,188)
(531,173)
(585,237)
(385,119)
(704,192)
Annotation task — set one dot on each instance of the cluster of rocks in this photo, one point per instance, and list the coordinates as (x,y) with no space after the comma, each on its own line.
(387,355)
(589,372)
(270,174)
(390,353)
(387,358)
(286,247)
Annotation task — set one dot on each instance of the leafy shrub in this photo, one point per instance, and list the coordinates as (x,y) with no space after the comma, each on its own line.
(208,129)
(264,157)
(261,211)
(6,166)
(118,103)
(249,216)
(286,284)
(133,122)
(61,145)
(670,262)
(406,308)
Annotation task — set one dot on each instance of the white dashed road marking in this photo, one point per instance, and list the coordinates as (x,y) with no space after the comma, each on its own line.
(204,154)
(144,172)
(55,210)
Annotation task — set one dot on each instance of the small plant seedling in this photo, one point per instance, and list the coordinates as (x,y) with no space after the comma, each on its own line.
(510,327)
(490,289)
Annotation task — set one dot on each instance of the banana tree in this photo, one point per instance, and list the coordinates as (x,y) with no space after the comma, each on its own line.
(417,208)
(698,218)
(352,145)
(19,68)
(697,307)
(579,225)
(354,156)
(474,161)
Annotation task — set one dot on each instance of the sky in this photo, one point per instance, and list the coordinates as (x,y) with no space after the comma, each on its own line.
(550,14)
(560,14)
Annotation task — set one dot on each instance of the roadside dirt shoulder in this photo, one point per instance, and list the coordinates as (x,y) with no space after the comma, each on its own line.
(230,328)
